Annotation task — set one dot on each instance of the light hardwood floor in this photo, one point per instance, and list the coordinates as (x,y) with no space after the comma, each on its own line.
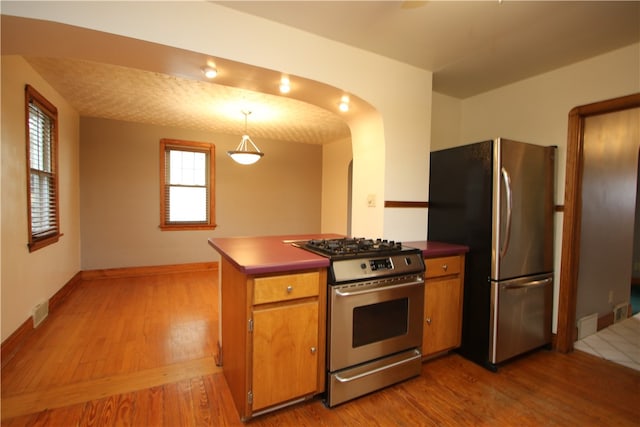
(140,351)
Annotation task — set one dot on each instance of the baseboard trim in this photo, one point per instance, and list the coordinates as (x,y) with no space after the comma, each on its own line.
(605,321)
(65,291)
(113,273)
(12,344)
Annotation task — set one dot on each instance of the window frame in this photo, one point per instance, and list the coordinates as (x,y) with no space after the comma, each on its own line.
(39,240)
(208,149)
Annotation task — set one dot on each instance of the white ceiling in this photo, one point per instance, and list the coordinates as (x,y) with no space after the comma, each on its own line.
(471,46)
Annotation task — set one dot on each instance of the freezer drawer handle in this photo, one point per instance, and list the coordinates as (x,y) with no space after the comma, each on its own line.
(507,185)
(418,355)
(535,283)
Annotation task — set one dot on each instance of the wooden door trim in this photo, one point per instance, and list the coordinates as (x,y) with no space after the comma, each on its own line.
(570,257)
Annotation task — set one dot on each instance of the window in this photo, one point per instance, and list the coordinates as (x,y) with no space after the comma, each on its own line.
(42,164)
(186,185)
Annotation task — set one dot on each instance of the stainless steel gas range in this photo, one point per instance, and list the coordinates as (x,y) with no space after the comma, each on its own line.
(374,315)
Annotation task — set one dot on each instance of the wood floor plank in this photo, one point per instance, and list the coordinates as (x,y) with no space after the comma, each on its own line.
(155,367)
(125,409)
(91,413)
(102,387)
(149,407)
(171,406)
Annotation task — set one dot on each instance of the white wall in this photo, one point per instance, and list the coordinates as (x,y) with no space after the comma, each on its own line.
(390,149)
(536,110)
(30,278)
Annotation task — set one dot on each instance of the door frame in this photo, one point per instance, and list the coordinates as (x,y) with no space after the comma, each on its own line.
(570,258)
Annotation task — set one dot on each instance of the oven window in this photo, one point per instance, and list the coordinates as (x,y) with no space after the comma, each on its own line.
(380,321)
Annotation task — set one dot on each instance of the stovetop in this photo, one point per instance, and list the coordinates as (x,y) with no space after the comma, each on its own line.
(351,247)
(356,259)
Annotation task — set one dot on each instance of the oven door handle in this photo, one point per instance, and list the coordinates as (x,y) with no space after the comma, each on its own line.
(417,355)
(378,289)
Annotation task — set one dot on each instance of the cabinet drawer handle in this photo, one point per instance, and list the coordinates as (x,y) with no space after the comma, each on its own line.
(289,289)
(445,267)
(428,320)
(313,350)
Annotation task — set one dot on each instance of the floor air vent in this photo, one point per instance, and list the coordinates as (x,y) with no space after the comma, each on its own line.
(620,312)
(40,312)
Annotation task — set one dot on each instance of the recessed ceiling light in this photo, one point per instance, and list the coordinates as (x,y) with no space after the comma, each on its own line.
(210,72)
(344,103)
(285,84)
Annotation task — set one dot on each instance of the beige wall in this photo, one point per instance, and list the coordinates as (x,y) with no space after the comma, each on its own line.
(119,167)
(336,158)
(446,121)
(30,278)
(536,110)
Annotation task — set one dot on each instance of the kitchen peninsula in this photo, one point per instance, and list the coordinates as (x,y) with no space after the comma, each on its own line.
(273,317)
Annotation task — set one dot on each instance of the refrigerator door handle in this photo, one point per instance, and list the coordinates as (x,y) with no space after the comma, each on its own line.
(507,187)
(533,284)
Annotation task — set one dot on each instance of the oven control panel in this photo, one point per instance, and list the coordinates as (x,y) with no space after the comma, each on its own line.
(346,270)
(379,264)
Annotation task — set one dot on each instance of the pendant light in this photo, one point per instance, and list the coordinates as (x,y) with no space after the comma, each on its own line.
(246,153)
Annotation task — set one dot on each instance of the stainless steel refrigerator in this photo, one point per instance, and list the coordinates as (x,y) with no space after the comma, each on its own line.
(497,197)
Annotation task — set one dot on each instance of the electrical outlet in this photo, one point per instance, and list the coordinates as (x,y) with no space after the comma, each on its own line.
(610,297)
(371,201)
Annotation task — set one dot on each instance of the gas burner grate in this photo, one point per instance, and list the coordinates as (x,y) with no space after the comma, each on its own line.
(352,246)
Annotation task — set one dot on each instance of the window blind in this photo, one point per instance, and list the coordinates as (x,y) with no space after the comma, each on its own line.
(43,198)
(42,174)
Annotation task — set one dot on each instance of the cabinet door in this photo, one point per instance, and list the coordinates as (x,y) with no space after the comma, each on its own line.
(285,353)
(443,305)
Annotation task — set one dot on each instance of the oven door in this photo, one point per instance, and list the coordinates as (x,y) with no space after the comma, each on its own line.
(369,320)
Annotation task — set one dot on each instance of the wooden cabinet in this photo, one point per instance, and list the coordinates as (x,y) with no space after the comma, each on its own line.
(273,337)
(444,278)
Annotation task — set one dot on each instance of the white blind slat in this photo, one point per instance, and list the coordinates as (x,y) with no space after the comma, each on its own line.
(43,185)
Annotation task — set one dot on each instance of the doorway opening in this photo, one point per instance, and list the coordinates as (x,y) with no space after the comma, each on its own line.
(566,329)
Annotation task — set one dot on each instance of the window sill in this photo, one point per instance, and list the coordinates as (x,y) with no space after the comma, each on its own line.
(186,227)
(39,244)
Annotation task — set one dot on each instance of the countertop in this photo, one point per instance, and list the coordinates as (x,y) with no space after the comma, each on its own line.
(273,254)
(270,254)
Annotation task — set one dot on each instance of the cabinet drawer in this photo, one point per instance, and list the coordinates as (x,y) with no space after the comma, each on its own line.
(445,266)
(285,287)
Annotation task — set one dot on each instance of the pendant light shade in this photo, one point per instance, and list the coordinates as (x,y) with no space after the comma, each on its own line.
(246,153)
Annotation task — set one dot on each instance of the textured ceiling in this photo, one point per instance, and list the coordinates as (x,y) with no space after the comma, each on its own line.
(121,93)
